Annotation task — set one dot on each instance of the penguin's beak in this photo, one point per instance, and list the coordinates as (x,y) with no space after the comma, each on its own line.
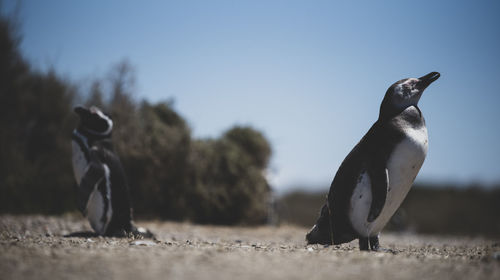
(426,80)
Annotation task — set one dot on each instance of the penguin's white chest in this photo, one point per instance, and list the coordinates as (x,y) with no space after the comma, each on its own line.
(402,167)
(98,209)
(80,164)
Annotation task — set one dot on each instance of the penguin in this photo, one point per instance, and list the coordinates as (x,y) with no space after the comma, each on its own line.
(103,194)
(375,177)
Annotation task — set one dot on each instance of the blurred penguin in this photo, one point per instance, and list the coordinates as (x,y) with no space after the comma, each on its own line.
(103,194)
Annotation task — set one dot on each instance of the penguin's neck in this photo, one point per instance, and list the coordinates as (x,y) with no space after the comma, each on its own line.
(87,140)
(412,114)
(410,117)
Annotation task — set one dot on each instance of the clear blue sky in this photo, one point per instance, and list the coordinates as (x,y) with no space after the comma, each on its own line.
(309,74)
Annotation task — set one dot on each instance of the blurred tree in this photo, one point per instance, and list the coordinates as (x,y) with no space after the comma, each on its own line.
(251,142)
(35,169)
(171,176)
(228,180)
(96,95)
(158,164)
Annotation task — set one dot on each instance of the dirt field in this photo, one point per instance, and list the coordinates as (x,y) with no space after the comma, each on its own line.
(33,247)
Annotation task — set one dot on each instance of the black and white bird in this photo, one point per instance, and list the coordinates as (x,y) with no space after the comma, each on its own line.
(377,174)
(103,194)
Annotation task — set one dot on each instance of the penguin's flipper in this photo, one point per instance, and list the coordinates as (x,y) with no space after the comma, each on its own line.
(379,176)
(95,173)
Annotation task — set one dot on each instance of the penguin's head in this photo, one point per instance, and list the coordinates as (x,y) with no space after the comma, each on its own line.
(320,232)
(93,121)
(405,93)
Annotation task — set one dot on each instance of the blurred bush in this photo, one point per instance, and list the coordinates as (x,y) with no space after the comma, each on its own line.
(448,209)
(171,175)
(439,209)
(35,121)
(227,179)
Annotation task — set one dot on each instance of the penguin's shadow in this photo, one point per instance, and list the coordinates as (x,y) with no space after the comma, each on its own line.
(88,234)
(82,234)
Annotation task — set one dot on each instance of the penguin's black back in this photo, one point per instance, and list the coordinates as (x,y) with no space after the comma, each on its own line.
(120,194)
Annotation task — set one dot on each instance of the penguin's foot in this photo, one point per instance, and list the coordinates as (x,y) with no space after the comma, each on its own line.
(369,244)
(134,232)
(363,244)
(141,233)
(374,244)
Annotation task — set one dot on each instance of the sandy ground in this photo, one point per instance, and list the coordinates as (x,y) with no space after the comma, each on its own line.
(33,247)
